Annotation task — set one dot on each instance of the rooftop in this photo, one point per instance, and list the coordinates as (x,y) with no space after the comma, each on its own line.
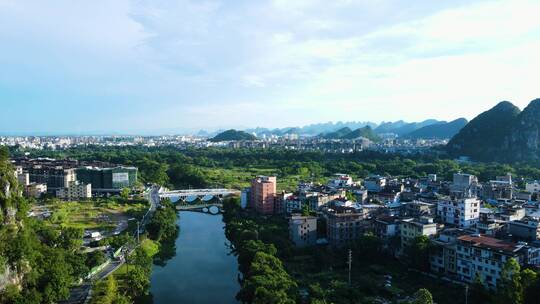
(489,242)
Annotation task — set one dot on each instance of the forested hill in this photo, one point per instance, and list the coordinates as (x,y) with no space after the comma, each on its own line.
(232,135)
(503,133)
(347,133)
(442,130)
(37,264)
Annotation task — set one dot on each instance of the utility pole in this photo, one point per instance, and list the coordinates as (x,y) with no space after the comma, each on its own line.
(466,294)
(350,265)
(138,231)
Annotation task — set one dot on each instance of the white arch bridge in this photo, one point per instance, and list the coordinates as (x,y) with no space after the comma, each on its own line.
(198,199)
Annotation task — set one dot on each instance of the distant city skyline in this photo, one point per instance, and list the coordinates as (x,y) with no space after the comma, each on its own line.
(158,67)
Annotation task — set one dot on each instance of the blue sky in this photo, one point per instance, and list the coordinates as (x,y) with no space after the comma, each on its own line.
(71,66)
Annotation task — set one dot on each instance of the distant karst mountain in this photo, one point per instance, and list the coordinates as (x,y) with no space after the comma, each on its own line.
(503,133)
(232,135)
(313,129)
(401,128)
(347,133)
(441,130)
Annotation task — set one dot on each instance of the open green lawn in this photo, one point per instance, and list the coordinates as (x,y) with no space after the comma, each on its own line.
(100,214)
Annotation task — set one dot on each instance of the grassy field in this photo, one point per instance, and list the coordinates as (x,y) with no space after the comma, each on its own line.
(238,178)
(93,214)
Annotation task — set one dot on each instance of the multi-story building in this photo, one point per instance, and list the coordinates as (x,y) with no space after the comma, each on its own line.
(532,186)
(410,229)
(35,190)
(340,181)
(294,204)
(527,229)
(74,191)
(111,179)
(22,177)
(462,213)
(375,183)
(344,225)
(245,197)
(263,194)
(55,177)
(500,188)
(484,257)
(303,230)
(418,208)
(443,255)
(385,227)
(464,185)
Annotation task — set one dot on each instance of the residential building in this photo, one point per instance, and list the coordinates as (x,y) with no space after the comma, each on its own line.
(532,186)
(35,190)
(418,208)
(303,230)
(293,203)
(411,228)
(340,181)
(375,183)
(462,213)
(55,177)
(344,225)
(464,186)
(512,213)
(526,229)
(361,195)
(263,194)
(443,255)
(74,191)
(386,227)
(244,197)
(500,188)
(22,177)
(484,257)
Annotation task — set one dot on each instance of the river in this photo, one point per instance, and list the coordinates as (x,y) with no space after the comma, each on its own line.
(200,269)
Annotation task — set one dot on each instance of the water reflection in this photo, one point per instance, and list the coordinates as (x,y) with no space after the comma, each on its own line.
(197,267)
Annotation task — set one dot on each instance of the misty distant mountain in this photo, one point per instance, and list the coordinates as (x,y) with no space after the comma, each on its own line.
(313,129)
(347,133)
(441,130)
(401,128)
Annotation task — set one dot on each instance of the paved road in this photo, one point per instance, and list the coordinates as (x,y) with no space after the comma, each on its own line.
(79,294)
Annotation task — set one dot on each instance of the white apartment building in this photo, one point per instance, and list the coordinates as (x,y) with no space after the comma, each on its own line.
(75,190)
(532,186)
(462,213)
(483,256)
(340,181)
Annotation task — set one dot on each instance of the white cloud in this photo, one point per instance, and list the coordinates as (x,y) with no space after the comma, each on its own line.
(305,61)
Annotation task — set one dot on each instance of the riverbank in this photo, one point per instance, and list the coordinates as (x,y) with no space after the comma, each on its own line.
(131,282)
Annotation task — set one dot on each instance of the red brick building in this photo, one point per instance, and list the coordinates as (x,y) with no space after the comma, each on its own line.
(263,194)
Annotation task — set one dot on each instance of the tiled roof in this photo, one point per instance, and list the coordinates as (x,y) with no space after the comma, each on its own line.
(488,242)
